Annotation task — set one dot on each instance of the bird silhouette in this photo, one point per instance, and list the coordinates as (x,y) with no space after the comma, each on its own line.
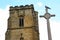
(47,7)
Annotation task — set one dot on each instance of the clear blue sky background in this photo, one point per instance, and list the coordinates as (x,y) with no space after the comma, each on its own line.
(39,5)
(53,4)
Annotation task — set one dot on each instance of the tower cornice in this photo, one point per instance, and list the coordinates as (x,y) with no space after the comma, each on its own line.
(22,7)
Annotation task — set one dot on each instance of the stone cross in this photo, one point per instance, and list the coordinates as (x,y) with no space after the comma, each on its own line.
(47,16)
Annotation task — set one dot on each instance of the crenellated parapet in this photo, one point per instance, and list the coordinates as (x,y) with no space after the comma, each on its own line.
(21,7)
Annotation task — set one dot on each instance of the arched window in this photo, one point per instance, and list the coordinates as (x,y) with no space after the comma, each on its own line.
(21,21)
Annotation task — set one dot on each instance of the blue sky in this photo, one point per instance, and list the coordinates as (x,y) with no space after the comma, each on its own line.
(39,5)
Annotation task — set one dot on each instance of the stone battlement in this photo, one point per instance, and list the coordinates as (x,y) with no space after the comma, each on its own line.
(21,7)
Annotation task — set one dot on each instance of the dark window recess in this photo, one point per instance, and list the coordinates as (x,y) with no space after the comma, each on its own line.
(21,21)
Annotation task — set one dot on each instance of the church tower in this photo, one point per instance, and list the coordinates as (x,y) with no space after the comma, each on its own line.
(22,23)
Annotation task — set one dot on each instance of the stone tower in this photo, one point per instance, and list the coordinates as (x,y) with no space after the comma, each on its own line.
(22,23)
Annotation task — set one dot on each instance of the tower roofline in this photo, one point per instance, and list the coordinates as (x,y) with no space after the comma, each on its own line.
(22,7)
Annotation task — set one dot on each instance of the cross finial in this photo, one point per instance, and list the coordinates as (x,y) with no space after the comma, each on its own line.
(47,8)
